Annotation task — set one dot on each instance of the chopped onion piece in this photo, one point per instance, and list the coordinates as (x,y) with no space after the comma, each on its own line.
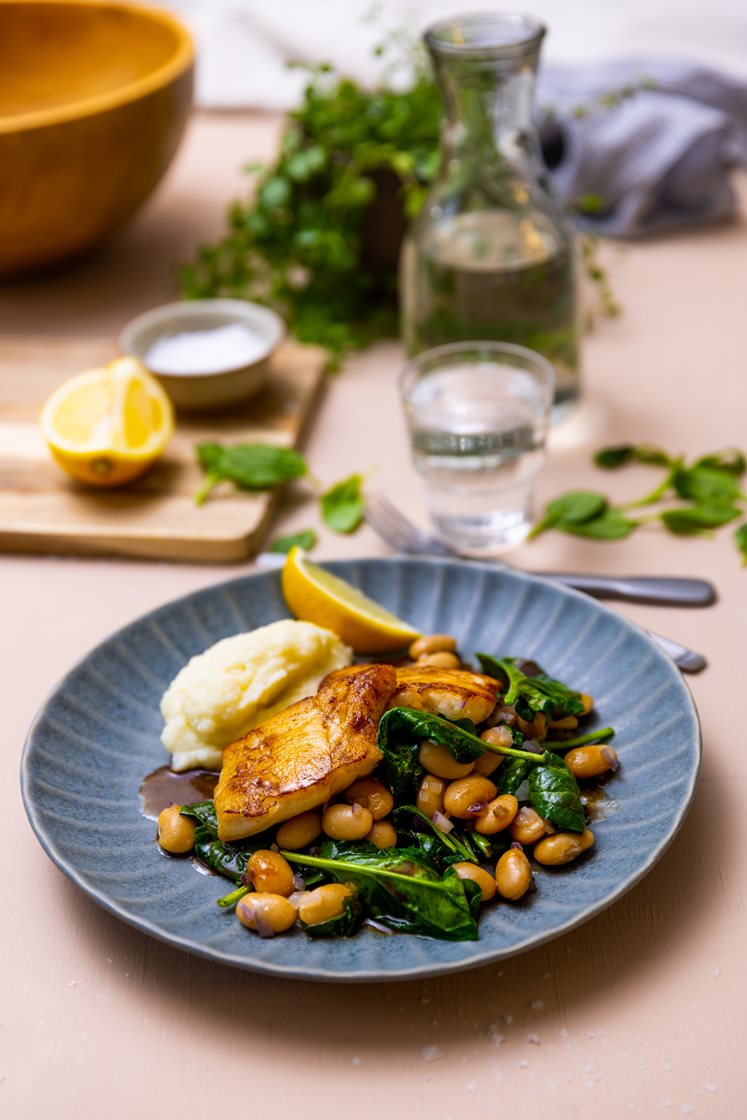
(377,926)
(610,757)
(262,921)
(522,791)
(299,882)
(442,823)
(533,746)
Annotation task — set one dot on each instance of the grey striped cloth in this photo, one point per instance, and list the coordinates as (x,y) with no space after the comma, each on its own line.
(656,155)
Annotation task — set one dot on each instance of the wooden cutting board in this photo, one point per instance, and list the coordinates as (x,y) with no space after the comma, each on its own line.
(41,510)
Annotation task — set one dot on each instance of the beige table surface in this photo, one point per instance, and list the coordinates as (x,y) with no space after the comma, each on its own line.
(641,1011)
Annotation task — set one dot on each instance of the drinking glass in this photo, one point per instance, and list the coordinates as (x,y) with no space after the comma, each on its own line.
(477,415)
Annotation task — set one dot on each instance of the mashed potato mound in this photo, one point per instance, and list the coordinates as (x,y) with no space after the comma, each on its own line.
(241,681)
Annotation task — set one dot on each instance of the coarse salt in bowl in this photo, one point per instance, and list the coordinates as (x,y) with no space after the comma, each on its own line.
(207,354)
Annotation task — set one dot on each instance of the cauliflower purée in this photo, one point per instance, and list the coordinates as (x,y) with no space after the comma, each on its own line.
(241,681)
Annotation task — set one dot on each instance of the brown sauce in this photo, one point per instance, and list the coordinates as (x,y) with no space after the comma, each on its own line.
(164,787)
(598,803)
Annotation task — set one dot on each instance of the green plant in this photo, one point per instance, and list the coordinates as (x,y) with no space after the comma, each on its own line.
(353,166)
(300,243)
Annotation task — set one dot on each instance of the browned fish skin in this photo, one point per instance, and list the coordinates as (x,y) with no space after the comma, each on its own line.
(453,693)
(304,755)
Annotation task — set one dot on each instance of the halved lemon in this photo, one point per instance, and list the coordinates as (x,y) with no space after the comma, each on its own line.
(315,595)
(107,426)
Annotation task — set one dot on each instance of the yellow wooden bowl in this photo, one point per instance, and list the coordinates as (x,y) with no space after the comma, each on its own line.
(94,98)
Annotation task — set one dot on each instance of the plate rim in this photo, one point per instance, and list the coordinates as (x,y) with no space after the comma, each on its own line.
(363,975)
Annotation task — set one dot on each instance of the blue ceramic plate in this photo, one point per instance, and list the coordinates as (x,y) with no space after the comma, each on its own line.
(97,736)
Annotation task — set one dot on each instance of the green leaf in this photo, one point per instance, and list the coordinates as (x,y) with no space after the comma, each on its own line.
(652,455)
(303,165)
(435,851)
(707,485)
(538,692)
(343,504)
(402,730)
(554,794)
(275,193)
(740,536)
(572,508)
(611,525)
(305,539)
(344,925)
(414,726)
(610,458)
(227,859)
(732,460)
(441,848)
(250,466)
(463,744)
(399,741)
(590,204)
(204,812)
(209,455)
(399,889)
(697,519)
(512,774)
(400,769)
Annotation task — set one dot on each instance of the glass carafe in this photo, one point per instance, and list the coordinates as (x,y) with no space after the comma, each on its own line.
(491,255)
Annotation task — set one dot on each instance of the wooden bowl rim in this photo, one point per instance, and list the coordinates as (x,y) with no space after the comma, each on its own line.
(178,63)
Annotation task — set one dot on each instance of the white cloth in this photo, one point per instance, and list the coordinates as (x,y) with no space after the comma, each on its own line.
(659,160)
(244,45)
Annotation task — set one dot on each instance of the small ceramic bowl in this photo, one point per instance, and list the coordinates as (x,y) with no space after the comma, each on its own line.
(225,380)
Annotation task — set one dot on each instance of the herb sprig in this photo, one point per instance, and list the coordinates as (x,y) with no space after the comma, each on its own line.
(352,163)
(306,244)
(708,492)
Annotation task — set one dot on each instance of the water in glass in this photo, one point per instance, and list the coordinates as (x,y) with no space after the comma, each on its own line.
(477,437)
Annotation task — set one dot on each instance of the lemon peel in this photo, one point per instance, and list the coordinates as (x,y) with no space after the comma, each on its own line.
(316,595)
(105,427)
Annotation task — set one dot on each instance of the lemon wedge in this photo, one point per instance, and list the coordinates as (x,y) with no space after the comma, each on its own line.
(315,595)
(105,427)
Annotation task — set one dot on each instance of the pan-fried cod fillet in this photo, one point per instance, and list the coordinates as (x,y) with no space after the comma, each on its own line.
(453,693)
(304,755)
(299,758)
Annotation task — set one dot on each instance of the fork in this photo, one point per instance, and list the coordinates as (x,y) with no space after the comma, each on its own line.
(396,530)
